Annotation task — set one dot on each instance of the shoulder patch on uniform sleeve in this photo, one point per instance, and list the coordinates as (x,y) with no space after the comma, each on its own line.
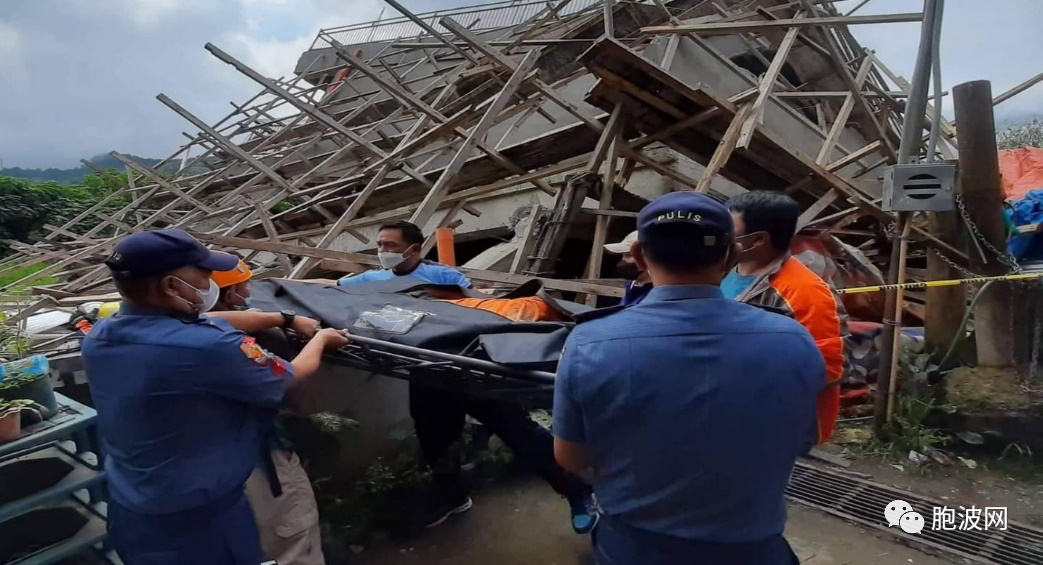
(258,355)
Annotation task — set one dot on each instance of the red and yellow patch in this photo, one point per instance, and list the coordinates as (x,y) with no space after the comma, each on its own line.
(258,355)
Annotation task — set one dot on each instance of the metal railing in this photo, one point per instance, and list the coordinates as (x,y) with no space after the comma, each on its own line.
(478,18)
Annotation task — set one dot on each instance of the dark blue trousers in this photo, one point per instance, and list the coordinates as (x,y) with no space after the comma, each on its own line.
(616,543)
(439,419)
(220,533)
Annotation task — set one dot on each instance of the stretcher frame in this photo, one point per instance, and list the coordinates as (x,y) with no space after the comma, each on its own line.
(459,373)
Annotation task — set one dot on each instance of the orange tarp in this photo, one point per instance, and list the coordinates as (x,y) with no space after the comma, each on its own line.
(1022,171)
(526,309)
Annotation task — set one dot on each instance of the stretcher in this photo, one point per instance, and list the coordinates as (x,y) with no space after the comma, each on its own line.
(461,373)
(470,345)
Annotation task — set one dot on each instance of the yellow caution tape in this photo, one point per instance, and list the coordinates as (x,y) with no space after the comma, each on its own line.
(934,284)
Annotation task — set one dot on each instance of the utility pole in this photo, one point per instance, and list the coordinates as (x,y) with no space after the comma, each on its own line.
(983,199)
(912,134)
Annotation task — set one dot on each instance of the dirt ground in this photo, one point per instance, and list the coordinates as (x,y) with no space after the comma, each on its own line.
(522,522)
(1015,486)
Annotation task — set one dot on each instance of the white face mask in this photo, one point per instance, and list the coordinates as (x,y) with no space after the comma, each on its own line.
(208,297)
(389,260)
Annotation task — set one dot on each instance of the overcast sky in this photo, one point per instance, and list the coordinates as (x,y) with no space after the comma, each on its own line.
(79,77)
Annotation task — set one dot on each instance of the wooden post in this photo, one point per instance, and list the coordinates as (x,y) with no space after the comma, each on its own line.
(983,198)
(945,304)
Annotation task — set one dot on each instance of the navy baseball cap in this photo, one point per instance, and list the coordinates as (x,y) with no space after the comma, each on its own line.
(149,253)
(710,221)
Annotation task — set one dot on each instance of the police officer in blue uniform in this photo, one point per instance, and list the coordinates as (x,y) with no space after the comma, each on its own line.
(184,401)
(690,409)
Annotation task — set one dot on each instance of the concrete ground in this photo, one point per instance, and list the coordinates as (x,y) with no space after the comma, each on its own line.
(522,522)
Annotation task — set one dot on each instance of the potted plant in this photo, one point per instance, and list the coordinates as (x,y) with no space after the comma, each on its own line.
(10,417)
(29,378)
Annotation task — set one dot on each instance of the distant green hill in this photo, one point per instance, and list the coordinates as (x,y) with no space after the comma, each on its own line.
(75,176)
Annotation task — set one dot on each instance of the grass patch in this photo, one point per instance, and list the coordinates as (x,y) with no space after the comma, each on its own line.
(23,272)
(978,389)
(909,430)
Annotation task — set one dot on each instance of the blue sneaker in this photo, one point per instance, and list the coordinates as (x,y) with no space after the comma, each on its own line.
(584,513)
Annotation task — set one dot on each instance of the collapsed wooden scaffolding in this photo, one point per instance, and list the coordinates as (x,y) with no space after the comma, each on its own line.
(313,159)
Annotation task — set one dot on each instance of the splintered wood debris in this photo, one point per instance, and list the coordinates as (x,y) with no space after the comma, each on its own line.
(431,117)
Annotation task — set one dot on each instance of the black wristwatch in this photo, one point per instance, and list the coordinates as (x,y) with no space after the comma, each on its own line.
(288,316)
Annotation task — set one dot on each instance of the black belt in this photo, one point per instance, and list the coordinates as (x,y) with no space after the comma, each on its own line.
(270,471)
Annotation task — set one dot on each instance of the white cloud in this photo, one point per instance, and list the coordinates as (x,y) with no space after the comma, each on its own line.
(12,53)
(993,40)
(151,12)
(269,57)
(80,76)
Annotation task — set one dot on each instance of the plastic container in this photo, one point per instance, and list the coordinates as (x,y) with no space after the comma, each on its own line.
(29,378)
(32,366)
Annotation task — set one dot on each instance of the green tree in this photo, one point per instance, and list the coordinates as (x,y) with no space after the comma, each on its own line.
(25,206)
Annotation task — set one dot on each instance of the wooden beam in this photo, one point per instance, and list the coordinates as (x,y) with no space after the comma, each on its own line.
(407,98)
(239,152)
(273,234)
(724,149)
(608,137)
(555,230)
(431,31)
(523,39)
(612,213)
(738,27)
(817,208)
(840,94)
(59,265)
(840,124)
(608,182)
(309,109)
(876,129)
(350,214)
(756,114)
(526,241)
(437,192)
(854,156)
(499,58)
(361,261)
(1017,90)
(156,178)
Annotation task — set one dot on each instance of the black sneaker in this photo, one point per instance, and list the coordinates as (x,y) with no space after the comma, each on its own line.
(442,510)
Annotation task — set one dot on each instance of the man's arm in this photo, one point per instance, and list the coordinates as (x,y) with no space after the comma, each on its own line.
(241,370)
(458,278)
(571,456)
(309,359)
(822,313)
(568,427)
(253,321)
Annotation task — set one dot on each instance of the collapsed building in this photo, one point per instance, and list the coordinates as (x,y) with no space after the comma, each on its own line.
(536,132)
(474,118)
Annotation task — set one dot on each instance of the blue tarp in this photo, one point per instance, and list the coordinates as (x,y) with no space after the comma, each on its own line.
(1023,212)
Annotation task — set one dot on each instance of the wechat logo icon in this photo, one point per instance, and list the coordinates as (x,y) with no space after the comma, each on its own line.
(900,513)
